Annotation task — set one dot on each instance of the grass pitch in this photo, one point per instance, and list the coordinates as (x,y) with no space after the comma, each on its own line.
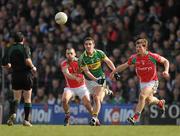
(78,130)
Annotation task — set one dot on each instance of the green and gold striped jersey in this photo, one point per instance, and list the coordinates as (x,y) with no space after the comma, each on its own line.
(93,62)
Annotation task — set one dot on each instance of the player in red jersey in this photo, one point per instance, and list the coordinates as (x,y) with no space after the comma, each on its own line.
(75,84)
(145,67)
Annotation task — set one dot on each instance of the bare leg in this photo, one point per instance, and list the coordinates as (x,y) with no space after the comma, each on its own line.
(153,100)
(98,98)
(142,98)
(87,104)
(65,101)
(146,92)
(17,94)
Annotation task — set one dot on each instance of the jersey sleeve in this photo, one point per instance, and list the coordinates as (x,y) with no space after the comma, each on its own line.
(81,62)
(101,54)
(27,52)
(132,60)
(155,57)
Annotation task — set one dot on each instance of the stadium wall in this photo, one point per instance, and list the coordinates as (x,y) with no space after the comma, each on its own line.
(109,115)
(54,114)
(171,116)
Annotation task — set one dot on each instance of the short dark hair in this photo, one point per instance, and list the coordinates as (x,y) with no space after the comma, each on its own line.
(88,38)
(138,37)
(18,36)
(144,39)
(70,48)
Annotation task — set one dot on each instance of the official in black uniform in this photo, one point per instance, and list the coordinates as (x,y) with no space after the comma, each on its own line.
(18,58)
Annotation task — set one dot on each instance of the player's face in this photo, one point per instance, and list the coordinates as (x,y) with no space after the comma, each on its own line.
(89,46)
(70,54)
(140,47)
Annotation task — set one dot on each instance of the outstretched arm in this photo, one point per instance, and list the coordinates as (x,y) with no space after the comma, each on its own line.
(120,68)
(109,63)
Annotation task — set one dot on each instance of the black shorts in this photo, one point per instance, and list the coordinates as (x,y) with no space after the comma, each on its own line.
(22,81)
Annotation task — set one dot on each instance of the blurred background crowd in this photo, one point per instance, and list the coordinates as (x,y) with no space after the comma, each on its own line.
(112,23)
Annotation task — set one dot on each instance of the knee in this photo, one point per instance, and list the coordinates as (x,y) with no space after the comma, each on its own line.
(64,101)
(142,97)
(149,100)
(27,100)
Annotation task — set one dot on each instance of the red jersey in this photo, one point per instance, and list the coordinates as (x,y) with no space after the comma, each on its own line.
(145,66)
(73,69)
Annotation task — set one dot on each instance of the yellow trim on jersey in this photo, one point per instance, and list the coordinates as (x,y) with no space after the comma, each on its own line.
(94,65)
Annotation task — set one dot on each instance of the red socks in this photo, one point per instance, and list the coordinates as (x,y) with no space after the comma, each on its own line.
(160,104)
(136,116)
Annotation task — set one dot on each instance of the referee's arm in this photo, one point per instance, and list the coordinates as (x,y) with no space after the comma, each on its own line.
(29,63)
(28,59)
(5,63)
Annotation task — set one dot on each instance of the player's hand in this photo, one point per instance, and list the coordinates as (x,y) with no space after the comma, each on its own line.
(33,70)
(165,74)
(79,79)
(100,81)
(8,66)
(117,76)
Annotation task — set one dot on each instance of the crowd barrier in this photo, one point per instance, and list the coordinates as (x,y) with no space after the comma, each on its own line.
(54,114)
(171,115)
(109,115)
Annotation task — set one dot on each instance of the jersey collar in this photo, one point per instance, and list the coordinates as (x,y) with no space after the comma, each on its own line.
(92,54)
(146,53)
(74,59)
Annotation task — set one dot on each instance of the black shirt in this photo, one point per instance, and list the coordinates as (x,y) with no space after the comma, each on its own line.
(16,55)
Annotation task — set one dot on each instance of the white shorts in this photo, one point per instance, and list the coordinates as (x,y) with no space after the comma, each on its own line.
(154,84)
(79,91)
(90,85)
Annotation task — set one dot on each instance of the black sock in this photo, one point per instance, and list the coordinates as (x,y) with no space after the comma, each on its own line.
(13,106)
(27,109)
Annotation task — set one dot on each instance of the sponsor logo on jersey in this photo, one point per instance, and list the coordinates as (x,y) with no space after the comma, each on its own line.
(94,65)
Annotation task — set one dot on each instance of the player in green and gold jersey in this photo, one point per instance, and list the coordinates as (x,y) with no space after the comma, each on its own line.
(90,63)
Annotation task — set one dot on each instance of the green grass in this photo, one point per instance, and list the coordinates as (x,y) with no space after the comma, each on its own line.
(78,130)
